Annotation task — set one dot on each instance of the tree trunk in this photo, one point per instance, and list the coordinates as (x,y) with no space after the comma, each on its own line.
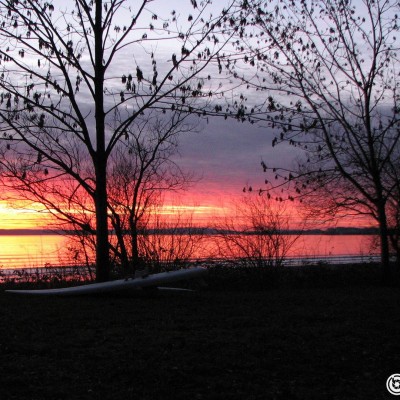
(384,242)
(395,245)
(135,247)
(100,160)
(102,245)
(123,253)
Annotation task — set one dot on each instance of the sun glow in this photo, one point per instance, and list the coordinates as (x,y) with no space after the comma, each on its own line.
(199,211)
(192,208)
(24,215)
(19,215)
(196,215)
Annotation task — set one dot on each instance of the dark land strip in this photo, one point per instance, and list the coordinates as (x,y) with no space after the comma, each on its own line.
(251,334)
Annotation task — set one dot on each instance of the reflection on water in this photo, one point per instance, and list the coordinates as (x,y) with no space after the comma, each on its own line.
(334,245)
(27,251)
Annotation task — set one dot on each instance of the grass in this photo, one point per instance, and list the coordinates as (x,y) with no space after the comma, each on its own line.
(252,334)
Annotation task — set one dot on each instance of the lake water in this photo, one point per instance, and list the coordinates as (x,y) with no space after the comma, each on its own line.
(30,251)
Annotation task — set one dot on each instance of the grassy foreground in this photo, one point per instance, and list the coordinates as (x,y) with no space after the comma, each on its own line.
(315,334)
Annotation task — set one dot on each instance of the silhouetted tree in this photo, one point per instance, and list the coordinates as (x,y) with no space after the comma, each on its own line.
(329,71)
(67,68)
(171,239)
(142,169)
(393,211)
(257,233)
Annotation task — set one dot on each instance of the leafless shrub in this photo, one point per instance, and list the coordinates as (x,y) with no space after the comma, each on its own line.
(257,234)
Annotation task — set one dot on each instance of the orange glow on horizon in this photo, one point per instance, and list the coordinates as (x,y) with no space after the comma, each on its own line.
(197,209)
(20,216)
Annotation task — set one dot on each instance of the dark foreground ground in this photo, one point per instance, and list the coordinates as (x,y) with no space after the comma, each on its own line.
(314,334)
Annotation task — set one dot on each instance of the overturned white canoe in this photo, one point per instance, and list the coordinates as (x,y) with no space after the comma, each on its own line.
(152,280)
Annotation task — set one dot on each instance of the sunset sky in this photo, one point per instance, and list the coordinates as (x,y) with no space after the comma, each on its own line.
(224,155)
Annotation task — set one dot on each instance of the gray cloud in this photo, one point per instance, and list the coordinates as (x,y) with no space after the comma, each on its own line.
(227,155)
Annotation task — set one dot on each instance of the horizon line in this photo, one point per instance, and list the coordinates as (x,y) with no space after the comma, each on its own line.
(328,230)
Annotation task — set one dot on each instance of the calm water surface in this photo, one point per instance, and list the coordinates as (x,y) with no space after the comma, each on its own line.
(27,251)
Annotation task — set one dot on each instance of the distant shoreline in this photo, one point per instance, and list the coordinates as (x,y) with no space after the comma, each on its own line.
(203,231)
(26,232)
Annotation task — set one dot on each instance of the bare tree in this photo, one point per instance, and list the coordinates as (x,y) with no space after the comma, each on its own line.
(68,68)
(171,240)
(330,72)
(393,211)
(142,169)
(258,233)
